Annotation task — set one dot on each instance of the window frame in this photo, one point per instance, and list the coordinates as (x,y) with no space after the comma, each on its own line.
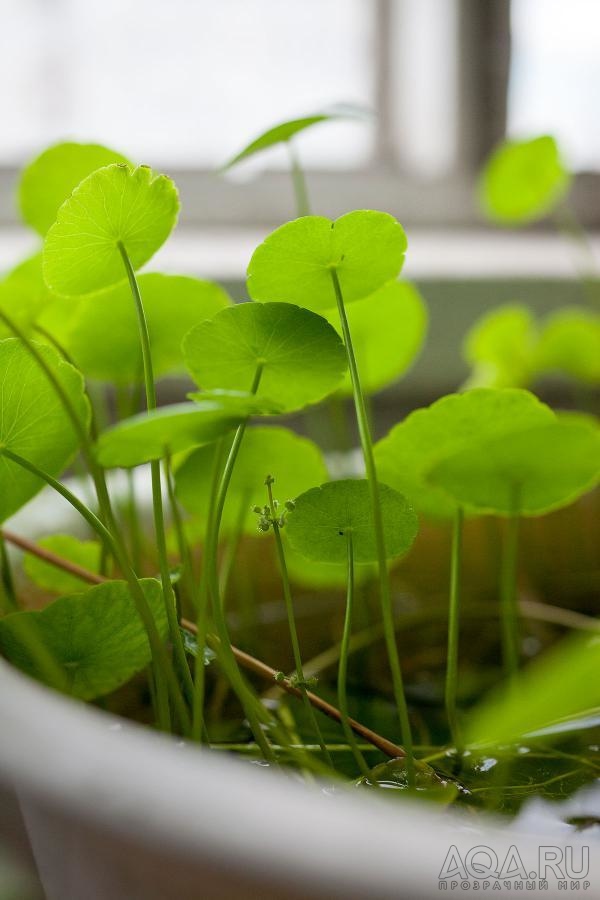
(483,53)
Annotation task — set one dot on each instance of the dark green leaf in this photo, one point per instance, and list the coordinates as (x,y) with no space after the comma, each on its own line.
(96,637)
(325,516)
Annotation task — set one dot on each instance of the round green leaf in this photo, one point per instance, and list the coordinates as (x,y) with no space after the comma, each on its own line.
(294,263)
(117,204)
(500,346)
(302,357)
(529,472)
(86,554)
(410,451)
(570,343)
(175,428)
(33,422)
(523,180)
(388,329)
(97,636)
(319,526)
(32,305)
(104,338)
(294,462)
(50,178)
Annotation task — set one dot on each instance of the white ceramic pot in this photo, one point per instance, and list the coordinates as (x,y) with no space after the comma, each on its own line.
(114,811)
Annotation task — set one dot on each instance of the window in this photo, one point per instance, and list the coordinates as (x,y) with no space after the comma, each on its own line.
(555,72)
(183,85)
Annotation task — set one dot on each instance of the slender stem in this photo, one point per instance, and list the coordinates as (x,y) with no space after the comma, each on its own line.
(299,182)
(182,542)
(289,605)
(343,663)
(157,499)
(509,596)
(384,583)
(6,576)
(252,707)
(568,223)
(454,629)
(159,654)
(198,724)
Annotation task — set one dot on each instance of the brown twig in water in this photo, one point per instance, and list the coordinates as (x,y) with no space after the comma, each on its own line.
(244,659)
(529,609)
(264,671)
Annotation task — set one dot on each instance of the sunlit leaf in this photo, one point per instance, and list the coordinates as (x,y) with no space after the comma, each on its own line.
(410,451)
(285,131)
(528,472)
(134,207)
(324,516)
(302,359)
(523,180)
(104,338)
(49,179)
(86,554)
(388,329)
(33,422)
(295,463)
(97,636)
(570,343)
(562,682)
(294,263)
(32,305)
(175,428)
(500,346)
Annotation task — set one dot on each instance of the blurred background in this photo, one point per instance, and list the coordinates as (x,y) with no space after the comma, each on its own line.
(183,85)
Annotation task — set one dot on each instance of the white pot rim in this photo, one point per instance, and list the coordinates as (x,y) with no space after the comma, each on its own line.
(111,773)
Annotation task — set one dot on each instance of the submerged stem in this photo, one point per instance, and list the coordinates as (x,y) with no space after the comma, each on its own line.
(509,596)
(157,499)
(252,707)
(289,605)
(454,629)
(343,663)
(384,583)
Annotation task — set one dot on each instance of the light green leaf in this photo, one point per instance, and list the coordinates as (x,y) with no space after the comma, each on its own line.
(104,338)
(302,357)
(97,636)
(33,422)
(528,472)
(285,131)
(500,346)
(175,428)
(134,207)
(32,305)
(561,683)
(86,554)
(294,262)
(50,178)
(295,462)
(410,451)
(388,329)
(523,181)
(570,343)
(319,525)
